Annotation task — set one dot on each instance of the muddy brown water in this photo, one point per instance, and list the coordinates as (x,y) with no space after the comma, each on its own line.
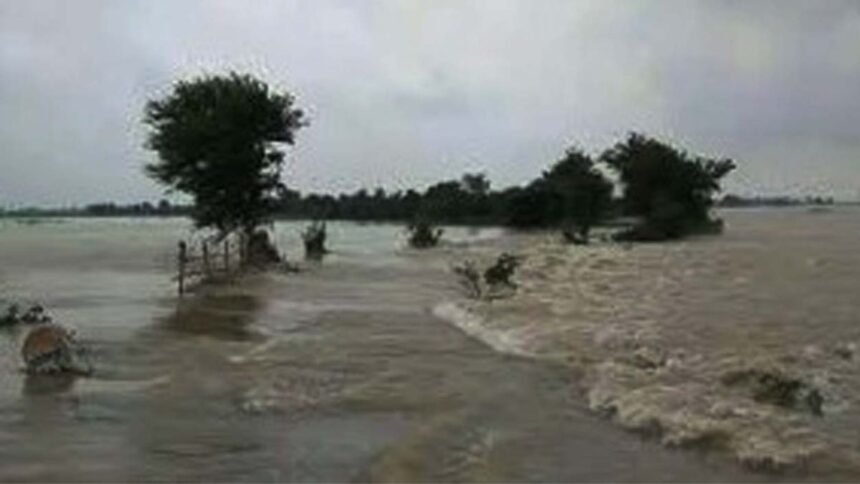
(340,373)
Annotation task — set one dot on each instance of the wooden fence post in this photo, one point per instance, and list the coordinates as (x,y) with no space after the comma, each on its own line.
(181,260)
(207,269)
(227,255)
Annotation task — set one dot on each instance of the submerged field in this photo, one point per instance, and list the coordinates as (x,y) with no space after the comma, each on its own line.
(351,370)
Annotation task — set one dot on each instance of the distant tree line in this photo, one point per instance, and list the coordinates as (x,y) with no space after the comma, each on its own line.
(162,208)
(572,190)
(732,201)
(669,191)
(106,209)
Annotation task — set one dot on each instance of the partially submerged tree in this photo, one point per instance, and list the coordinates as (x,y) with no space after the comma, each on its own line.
(220,139)
(572,194)
(583,193)
(670,190)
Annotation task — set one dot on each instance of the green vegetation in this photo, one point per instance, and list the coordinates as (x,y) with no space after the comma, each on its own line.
(671,191)
(314,238)
(775,387)
(573,194)
(469,278)
(500,273)
(496,282)
(423,235)
(220,140)
(737,201)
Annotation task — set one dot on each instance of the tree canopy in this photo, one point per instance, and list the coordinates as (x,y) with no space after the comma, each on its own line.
(572,192)
(670,189)
(221,139)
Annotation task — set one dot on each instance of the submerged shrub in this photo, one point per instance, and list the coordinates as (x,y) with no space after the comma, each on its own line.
(776,388)
(34,315)
(573,235)
(261,250)
(469,278)
(423,235)
(499,274)
(314,238)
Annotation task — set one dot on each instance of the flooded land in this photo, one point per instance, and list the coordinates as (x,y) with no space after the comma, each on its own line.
(610,363)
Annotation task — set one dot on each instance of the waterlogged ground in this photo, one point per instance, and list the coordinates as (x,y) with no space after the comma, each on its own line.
(351,370)
(745,344)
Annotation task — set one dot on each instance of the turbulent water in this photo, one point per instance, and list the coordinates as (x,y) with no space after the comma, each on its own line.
(351,370)
(744,343)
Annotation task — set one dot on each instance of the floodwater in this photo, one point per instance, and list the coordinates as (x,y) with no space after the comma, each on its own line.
(342,372)
(746,344)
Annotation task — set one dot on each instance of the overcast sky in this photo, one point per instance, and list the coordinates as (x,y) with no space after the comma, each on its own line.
(406,93)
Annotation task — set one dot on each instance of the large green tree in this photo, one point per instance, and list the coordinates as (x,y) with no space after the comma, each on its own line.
(573,192)
(582,192)
(221,139)
(671,190)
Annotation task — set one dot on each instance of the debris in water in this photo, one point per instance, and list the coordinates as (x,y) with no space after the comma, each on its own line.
(50,349)
(777,388)
(34,315)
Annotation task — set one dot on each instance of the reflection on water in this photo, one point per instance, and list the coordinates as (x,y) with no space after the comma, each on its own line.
(39,384)
(339,373)
(222,316)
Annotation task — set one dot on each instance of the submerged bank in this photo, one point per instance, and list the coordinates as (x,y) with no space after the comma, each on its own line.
(743,343)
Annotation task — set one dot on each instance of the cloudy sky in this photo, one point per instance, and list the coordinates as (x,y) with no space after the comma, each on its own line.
(406,93)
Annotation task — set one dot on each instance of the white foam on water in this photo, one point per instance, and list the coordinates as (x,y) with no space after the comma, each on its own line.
(474,325)
(657,328)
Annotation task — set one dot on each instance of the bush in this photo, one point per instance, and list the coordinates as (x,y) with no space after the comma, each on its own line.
(469,278)
(777,388)
(314,238)
(261,250)
(34,315)
(499,274)
(423,235)
(573,235)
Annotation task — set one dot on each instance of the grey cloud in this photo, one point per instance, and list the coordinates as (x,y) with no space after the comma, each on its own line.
(405,93)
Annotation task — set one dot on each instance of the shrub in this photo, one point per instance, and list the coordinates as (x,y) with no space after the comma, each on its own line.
(423,235)
(777,388)
(499,274)
(261,250)
(314,238)
(469,278)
